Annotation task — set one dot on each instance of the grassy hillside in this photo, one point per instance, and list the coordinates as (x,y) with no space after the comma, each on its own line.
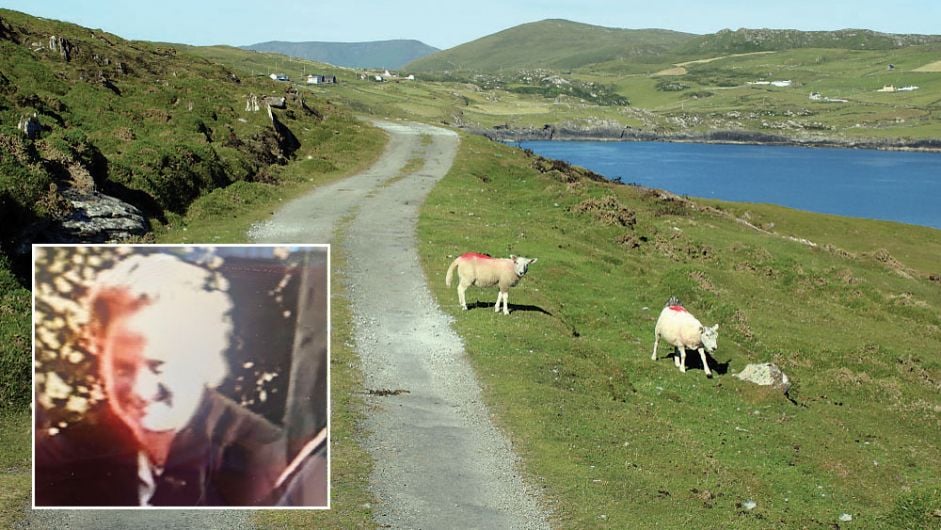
(168,132)
(163,130)
(620,441)
(555,44)
(377,54)
(746,40)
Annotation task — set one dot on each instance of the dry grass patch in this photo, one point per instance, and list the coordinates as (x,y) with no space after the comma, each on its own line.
(930,67)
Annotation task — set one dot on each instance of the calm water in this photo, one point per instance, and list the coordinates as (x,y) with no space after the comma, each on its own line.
(889,185)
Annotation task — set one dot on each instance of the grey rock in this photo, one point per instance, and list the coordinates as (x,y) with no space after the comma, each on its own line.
(252,104)
(99,218)
(62,46)
(276,102)
(765,374)
(30,126)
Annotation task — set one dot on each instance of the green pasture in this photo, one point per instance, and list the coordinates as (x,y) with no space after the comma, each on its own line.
(620,441)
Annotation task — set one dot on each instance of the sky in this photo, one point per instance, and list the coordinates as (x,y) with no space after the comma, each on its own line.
(448,23)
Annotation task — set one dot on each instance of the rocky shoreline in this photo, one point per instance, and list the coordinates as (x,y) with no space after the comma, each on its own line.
(628,134)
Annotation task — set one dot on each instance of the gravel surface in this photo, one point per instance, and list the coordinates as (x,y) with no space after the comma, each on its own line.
(440,463)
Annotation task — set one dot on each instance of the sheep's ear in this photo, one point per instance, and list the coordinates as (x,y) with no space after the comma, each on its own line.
(715,328)
(533,260)
(702,330)
(512,257)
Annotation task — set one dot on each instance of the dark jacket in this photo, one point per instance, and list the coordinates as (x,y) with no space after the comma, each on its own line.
(225,456)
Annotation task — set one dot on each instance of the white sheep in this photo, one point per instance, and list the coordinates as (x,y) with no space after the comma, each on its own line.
(682,330)
(483,270)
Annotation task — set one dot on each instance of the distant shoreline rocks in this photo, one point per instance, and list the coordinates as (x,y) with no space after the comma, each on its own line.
(627,134)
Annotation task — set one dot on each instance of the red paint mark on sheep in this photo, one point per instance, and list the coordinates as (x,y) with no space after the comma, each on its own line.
(476,255)
(678,308)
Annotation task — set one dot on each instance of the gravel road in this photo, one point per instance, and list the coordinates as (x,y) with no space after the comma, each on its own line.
(440,463)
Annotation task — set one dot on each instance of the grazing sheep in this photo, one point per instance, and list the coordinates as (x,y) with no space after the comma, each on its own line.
(483,270)
(681,329)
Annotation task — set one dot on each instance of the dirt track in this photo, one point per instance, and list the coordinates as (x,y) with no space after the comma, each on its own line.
(440,463)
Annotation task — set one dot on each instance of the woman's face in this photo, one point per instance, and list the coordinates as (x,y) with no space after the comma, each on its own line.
(152,378)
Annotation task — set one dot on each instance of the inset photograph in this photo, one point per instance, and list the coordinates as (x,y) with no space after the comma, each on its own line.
(181,376)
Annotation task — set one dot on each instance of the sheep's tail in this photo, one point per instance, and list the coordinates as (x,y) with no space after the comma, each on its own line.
(673,301)
(447,277)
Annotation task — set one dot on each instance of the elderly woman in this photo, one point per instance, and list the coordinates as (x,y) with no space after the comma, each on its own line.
(159,327)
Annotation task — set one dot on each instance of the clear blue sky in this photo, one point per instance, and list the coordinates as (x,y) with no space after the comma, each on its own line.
(448,23)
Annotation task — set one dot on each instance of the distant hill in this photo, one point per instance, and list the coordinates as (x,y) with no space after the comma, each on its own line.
(392,54)
(556,44)
(566,45)
(753,40)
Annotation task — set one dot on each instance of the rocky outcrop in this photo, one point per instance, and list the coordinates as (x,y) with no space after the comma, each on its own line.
(30,126)
(628,134)
(97,218)
(276,102)
(252,104)
(766,374)
(62,46)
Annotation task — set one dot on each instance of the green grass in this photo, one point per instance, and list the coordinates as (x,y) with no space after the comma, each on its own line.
(15,470)
(621,441)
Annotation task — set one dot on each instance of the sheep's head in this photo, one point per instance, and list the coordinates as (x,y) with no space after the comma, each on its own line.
(710,337)
(522,264)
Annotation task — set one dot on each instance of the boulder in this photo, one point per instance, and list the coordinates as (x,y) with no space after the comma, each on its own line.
(765,374)
(30,126)
(252,104)
(276,102)
(98,218)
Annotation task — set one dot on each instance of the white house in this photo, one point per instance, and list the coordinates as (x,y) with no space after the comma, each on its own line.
(279,77)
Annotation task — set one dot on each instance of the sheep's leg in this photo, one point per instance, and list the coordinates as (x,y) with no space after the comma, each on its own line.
(461,289)
(506,302)
(682,359)
(656,340)
(705,365)
(496,307)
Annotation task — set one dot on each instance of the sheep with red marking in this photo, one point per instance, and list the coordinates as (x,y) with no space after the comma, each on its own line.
(683,331)
(483,270)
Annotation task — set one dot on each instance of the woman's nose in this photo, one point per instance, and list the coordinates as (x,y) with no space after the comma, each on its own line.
(147,385)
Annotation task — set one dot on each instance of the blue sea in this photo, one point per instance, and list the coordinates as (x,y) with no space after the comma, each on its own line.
(889,185)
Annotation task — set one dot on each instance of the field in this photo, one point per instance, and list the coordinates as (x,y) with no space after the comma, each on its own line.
(621,441)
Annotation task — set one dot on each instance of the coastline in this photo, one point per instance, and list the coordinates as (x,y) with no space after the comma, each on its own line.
(740,137)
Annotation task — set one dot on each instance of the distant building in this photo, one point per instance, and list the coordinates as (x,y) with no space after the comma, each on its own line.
(781,83)
(909,88)
(321,80)
(279,77)
(887,88)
